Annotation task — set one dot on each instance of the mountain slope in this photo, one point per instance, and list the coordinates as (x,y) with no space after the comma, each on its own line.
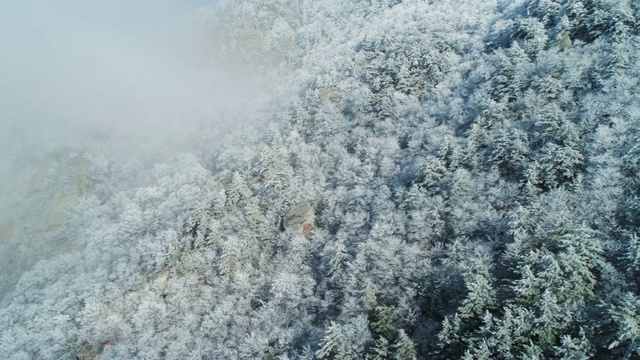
(473,177)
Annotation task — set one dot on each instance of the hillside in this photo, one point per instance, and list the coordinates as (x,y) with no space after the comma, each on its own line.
(407,180)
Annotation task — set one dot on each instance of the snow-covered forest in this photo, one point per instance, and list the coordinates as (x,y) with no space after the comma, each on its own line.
(407,179)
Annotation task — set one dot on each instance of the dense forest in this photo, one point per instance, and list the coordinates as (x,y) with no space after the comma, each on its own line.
(415,180)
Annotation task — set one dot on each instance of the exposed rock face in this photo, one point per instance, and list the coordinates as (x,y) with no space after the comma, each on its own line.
(301,218)
(33,207)
(6,230)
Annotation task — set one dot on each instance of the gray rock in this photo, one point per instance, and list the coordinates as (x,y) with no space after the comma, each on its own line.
(301,218)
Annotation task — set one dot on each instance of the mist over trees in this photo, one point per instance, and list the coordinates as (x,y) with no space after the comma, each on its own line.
(408,180)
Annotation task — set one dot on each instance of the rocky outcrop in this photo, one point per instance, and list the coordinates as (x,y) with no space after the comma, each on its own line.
(7,229)
(33,207)
(300,218)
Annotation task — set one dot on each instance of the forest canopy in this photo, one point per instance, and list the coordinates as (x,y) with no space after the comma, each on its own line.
(407,180)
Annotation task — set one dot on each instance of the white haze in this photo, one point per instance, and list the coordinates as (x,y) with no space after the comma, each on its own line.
(135,78)
(75,69)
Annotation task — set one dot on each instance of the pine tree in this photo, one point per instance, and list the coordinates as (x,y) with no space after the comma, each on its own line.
(531,35)
(381,349)
(571,348)
(511,152)
(238,190)
(626,318)
(481,295)
(404,348)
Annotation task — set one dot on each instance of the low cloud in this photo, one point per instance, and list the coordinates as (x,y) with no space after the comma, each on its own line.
(77,68)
